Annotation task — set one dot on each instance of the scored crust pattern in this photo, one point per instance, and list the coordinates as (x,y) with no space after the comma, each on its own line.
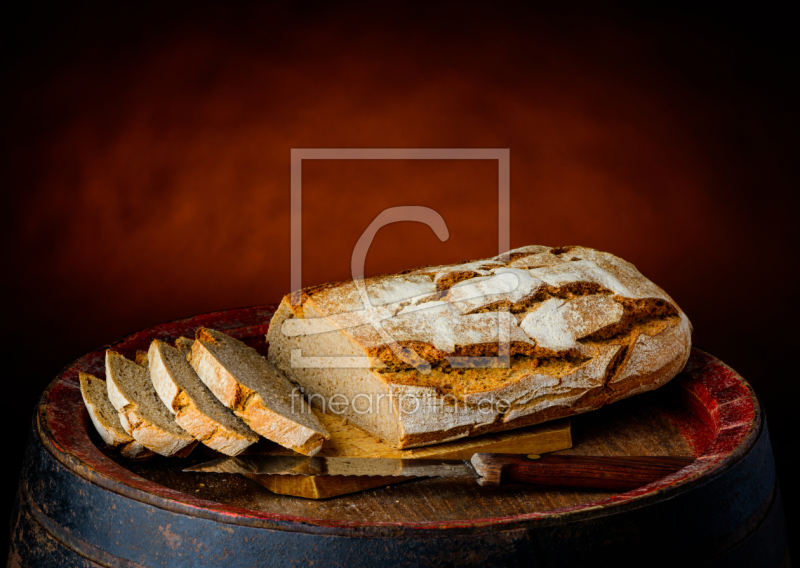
(584,328)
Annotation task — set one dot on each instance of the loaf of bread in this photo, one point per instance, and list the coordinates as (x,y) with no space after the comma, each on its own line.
(106,420)
(195,407)
(142,414)
(443,352)
(256,391)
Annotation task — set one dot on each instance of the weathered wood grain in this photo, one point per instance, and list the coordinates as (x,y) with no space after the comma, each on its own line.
(350,441)
(722,510)
(641,426)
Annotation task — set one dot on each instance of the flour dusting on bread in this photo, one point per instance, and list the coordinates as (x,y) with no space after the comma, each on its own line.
(580,328)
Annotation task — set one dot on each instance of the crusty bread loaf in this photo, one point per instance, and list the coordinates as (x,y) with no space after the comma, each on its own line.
(106,420)
(256,391)
(195,408)
(141,412)
(583,327)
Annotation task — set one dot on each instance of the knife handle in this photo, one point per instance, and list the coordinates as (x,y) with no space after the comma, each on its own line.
(597,472)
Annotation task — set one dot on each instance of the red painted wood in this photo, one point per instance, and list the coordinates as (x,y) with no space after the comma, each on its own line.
(724,420)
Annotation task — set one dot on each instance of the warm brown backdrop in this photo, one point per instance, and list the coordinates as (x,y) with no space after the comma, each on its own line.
(147,163)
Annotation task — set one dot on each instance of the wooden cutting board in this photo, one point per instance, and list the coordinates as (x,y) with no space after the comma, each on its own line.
(350,441)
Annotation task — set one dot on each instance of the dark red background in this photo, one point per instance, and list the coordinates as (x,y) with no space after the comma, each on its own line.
(146,163)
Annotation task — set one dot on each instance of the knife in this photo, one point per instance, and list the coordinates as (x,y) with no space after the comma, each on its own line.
(597,472)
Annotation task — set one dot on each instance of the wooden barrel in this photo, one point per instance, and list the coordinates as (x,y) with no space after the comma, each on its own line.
(80,504)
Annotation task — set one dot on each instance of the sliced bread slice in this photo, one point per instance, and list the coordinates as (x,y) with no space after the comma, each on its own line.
(141,412)
(196,409)
(256,391)
(106,420)
(184,345)
(141,358)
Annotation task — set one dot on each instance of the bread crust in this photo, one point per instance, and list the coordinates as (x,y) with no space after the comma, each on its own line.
(135,423)
(586,329)
(203,427)
(110,431)
(248,404)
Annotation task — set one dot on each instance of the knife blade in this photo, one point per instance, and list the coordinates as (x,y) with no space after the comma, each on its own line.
(599,472)
(304,465)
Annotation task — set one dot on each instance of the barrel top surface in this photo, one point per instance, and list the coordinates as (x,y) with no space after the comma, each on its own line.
(708,411)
